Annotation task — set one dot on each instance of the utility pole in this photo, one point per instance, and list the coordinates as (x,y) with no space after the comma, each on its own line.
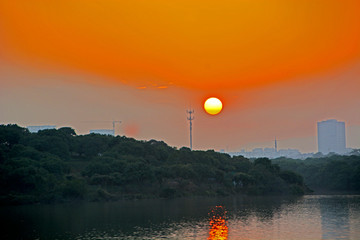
(190,118)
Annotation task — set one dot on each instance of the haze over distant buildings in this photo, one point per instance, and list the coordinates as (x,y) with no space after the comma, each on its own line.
(330,133)
(35,129)
(272,153)
(103,131)
(331,139)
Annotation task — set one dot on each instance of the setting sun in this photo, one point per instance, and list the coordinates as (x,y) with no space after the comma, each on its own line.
(213,106)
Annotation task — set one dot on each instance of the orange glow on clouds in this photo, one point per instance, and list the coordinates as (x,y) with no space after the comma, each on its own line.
(203,44)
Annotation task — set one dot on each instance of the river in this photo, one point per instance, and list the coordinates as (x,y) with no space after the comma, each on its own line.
(306,217)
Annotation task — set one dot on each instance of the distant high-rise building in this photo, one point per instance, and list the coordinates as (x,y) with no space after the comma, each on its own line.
(35,129)
(103,131)
(331,136)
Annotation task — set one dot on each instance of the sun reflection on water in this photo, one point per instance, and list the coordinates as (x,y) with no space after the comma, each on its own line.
(218,227)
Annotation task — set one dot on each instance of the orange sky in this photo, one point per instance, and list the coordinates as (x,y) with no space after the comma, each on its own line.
(286,63)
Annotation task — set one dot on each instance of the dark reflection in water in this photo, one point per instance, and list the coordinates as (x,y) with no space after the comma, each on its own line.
(309,217)
(335,217)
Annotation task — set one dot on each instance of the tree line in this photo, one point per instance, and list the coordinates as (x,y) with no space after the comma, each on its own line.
(326,174)
(58,165)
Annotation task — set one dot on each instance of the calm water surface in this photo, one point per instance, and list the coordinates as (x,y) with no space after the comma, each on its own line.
(308,217)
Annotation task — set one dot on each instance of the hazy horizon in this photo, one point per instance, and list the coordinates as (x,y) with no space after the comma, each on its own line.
(278,70)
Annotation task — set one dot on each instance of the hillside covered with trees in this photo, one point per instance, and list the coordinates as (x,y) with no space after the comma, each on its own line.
(327,174)
(57,165)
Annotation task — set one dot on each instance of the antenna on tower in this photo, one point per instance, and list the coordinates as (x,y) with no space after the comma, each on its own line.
(190,118)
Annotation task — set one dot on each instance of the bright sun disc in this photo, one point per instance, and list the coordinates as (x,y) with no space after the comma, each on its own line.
(213,106)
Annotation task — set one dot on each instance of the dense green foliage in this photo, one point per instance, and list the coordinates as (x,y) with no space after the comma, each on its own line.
(56,165)
(334,173)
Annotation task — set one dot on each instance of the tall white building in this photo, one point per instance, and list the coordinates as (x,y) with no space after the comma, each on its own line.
(331,136)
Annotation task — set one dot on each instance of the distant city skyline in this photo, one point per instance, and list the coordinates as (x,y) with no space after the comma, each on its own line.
(260,150)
